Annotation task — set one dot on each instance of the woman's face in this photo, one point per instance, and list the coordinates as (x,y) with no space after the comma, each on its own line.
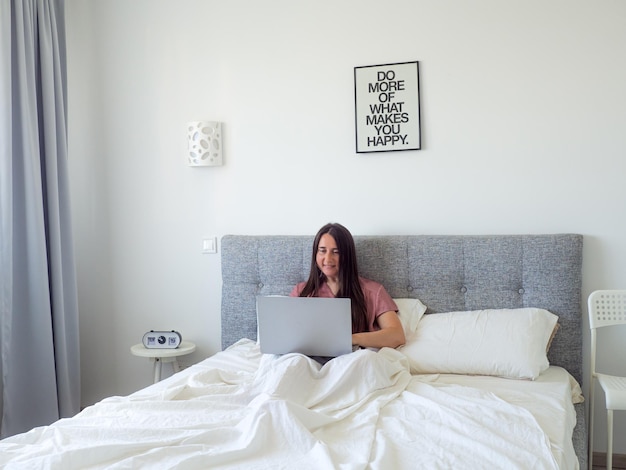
(327,257)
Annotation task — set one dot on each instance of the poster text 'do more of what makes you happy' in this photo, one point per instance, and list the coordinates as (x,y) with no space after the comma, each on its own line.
(387,107)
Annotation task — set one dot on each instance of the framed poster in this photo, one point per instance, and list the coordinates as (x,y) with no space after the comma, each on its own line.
(387,107)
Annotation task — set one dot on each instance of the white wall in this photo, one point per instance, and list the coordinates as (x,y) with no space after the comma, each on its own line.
(523,128)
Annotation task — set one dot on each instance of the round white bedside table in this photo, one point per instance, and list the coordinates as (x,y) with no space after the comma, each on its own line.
(159,356)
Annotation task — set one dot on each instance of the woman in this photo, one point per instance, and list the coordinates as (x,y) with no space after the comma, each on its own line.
(334,273)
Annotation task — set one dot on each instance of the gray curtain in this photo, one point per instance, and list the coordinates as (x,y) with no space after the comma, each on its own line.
(38,302)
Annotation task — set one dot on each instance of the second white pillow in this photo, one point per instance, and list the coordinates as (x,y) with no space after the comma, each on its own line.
(507,343)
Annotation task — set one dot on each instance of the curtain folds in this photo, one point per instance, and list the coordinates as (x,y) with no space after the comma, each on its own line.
(38,301)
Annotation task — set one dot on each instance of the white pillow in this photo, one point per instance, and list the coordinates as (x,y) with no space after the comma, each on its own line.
(410,311)
(506,343)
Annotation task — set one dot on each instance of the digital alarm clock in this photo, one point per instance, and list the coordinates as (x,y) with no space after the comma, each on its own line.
(162,339)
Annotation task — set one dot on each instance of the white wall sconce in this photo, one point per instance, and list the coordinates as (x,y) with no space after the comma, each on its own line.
(204,143)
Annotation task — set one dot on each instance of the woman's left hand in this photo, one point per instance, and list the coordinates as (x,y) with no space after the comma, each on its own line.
(390,335)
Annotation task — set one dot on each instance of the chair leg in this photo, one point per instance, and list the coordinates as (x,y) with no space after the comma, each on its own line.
(609,433)
(590,429)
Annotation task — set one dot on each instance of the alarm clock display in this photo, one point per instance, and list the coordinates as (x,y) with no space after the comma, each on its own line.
(162,339)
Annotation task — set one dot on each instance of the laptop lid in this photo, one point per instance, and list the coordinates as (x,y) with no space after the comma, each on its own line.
(314,326)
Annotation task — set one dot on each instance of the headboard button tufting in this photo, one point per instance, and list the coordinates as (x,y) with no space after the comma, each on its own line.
(463,290)
(521,291)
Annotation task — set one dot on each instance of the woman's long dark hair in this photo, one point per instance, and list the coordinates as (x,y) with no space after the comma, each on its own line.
(349,285)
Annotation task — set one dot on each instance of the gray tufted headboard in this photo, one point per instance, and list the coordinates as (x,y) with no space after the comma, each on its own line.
(447,273)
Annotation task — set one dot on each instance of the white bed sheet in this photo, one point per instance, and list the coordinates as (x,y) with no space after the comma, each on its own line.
(546,402)
(241,409)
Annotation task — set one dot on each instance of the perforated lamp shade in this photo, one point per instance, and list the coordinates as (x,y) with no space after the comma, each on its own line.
(204,143)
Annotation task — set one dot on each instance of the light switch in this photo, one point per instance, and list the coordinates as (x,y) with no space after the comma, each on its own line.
(209,245)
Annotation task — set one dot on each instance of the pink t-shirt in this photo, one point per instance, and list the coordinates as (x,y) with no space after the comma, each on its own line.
(377,300)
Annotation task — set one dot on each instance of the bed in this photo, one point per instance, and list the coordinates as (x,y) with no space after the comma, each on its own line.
(387,408)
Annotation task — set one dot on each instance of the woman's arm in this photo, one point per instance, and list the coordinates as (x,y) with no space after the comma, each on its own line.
(390,335)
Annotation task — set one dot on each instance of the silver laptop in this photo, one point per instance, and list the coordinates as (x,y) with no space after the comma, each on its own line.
(314,326)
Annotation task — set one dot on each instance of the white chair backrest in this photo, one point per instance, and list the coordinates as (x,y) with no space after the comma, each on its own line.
(607,308)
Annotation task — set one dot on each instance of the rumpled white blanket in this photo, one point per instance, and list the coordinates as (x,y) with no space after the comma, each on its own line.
(241,409)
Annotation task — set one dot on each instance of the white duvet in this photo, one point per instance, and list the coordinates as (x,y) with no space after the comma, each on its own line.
(241,409)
